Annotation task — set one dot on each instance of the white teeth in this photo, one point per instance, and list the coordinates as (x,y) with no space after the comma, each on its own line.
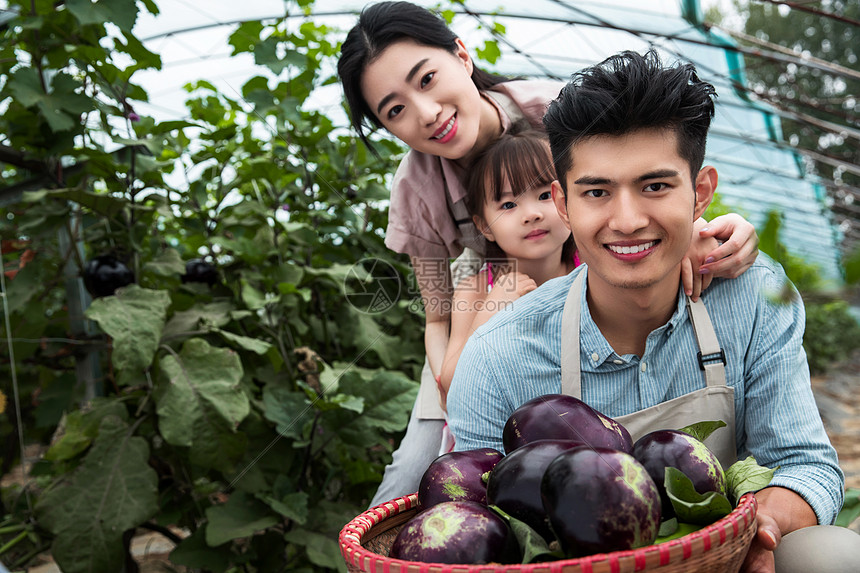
(446,130)
(632,250)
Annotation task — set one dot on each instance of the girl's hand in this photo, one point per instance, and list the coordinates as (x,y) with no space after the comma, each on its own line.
(707,258)
(510,286)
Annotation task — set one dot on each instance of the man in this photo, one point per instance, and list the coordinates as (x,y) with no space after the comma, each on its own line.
(628,141)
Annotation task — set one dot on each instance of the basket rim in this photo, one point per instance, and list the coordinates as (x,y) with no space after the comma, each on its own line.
(727,529)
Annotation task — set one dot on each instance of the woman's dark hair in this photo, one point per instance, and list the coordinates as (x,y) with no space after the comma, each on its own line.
(627,92)
(379,26)
(520,158)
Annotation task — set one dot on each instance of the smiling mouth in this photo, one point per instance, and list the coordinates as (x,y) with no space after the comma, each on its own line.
(631,250)
(446,129)
(536,234)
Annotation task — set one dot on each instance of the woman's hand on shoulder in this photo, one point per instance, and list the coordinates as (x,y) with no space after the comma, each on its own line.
(707,258)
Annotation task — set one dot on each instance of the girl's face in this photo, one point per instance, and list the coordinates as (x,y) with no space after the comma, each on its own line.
(426,98)
(527,226)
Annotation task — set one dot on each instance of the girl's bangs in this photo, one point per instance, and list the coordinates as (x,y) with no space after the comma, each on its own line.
(523,162)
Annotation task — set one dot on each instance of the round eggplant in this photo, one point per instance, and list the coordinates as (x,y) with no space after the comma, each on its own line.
(455,532)
(200,271)
(457,476)
(104,274)
(670,448)
(562,417)
(514,483)
(600,500)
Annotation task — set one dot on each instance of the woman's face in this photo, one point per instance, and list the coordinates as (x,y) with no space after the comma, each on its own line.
(426,98)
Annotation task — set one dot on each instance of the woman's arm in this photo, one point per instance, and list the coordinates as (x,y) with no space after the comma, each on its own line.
(738,251)
(434,282)
(707,258)
(467,301)
(472,308)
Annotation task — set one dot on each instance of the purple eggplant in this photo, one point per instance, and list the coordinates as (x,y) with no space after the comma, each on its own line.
(561,417)
(600,500)
(456,532)
(457,476)
(671,448)
(514,483)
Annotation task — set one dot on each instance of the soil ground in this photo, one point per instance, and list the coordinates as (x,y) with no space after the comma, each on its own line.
(838,397)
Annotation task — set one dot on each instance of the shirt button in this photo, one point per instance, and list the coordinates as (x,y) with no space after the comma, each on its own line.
(594,357)
(618,361)
(643,367)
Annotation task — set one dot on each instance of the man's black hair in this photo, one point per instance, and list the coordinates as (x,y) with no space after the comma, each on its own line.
(625,93)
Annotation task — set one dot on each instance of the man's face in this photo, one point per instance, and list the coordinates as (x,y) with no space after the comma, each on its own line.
(631,206)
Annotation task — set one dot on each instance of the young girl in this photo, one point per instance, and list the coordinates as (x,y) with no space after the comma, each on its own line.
(403,69)
(508,190)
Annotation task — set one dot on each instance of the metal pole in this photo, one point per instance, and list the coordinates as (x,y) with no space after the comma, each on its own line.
(78,299)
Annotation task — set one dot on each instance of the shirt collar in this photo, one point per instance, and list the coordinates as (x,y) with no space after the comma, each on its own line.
(596,350)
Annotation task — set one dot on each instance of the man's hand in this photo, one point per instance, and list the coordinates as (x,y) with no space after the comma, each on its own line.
(780,511)
(767,537)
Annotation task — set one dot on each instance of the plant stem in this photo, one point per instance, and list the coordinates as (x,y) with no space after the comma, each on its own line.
(162,530)
(13,542)
(308,455)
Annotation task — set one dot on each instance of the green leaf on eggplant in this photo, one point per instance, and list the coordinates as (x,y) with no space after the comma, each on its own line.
(701,430)
(533,547)
(747,476)
(690,506)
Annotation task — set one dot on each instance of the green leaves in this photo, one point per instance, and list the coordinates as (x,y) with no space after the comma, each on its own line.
(221,388)
(113,490)
(747,476)
(123,13)
(691,506)
(532,546)
(701,430)
(58,100)
(388,398)
(201,404)
(671,529)
(322,550)
(850,508)
(78,428)
(166,264)
(134,318)
(490,52)
(694,510)
(241,516)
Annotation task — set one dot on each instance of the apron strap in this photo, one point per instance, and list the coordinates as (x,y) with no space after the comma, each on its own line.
(571,384)
(470,236)
(712,358)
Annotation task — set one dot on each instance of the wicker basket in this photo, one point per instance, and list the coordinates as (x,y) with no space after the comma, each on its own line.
(717,548)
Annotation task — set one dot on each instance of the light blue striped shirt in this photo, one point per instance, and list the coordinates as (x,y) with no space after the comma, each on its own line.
(515,357)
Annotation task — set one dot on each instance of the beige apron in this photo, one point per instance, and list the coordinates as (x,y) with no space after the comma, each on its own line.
(713,402)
